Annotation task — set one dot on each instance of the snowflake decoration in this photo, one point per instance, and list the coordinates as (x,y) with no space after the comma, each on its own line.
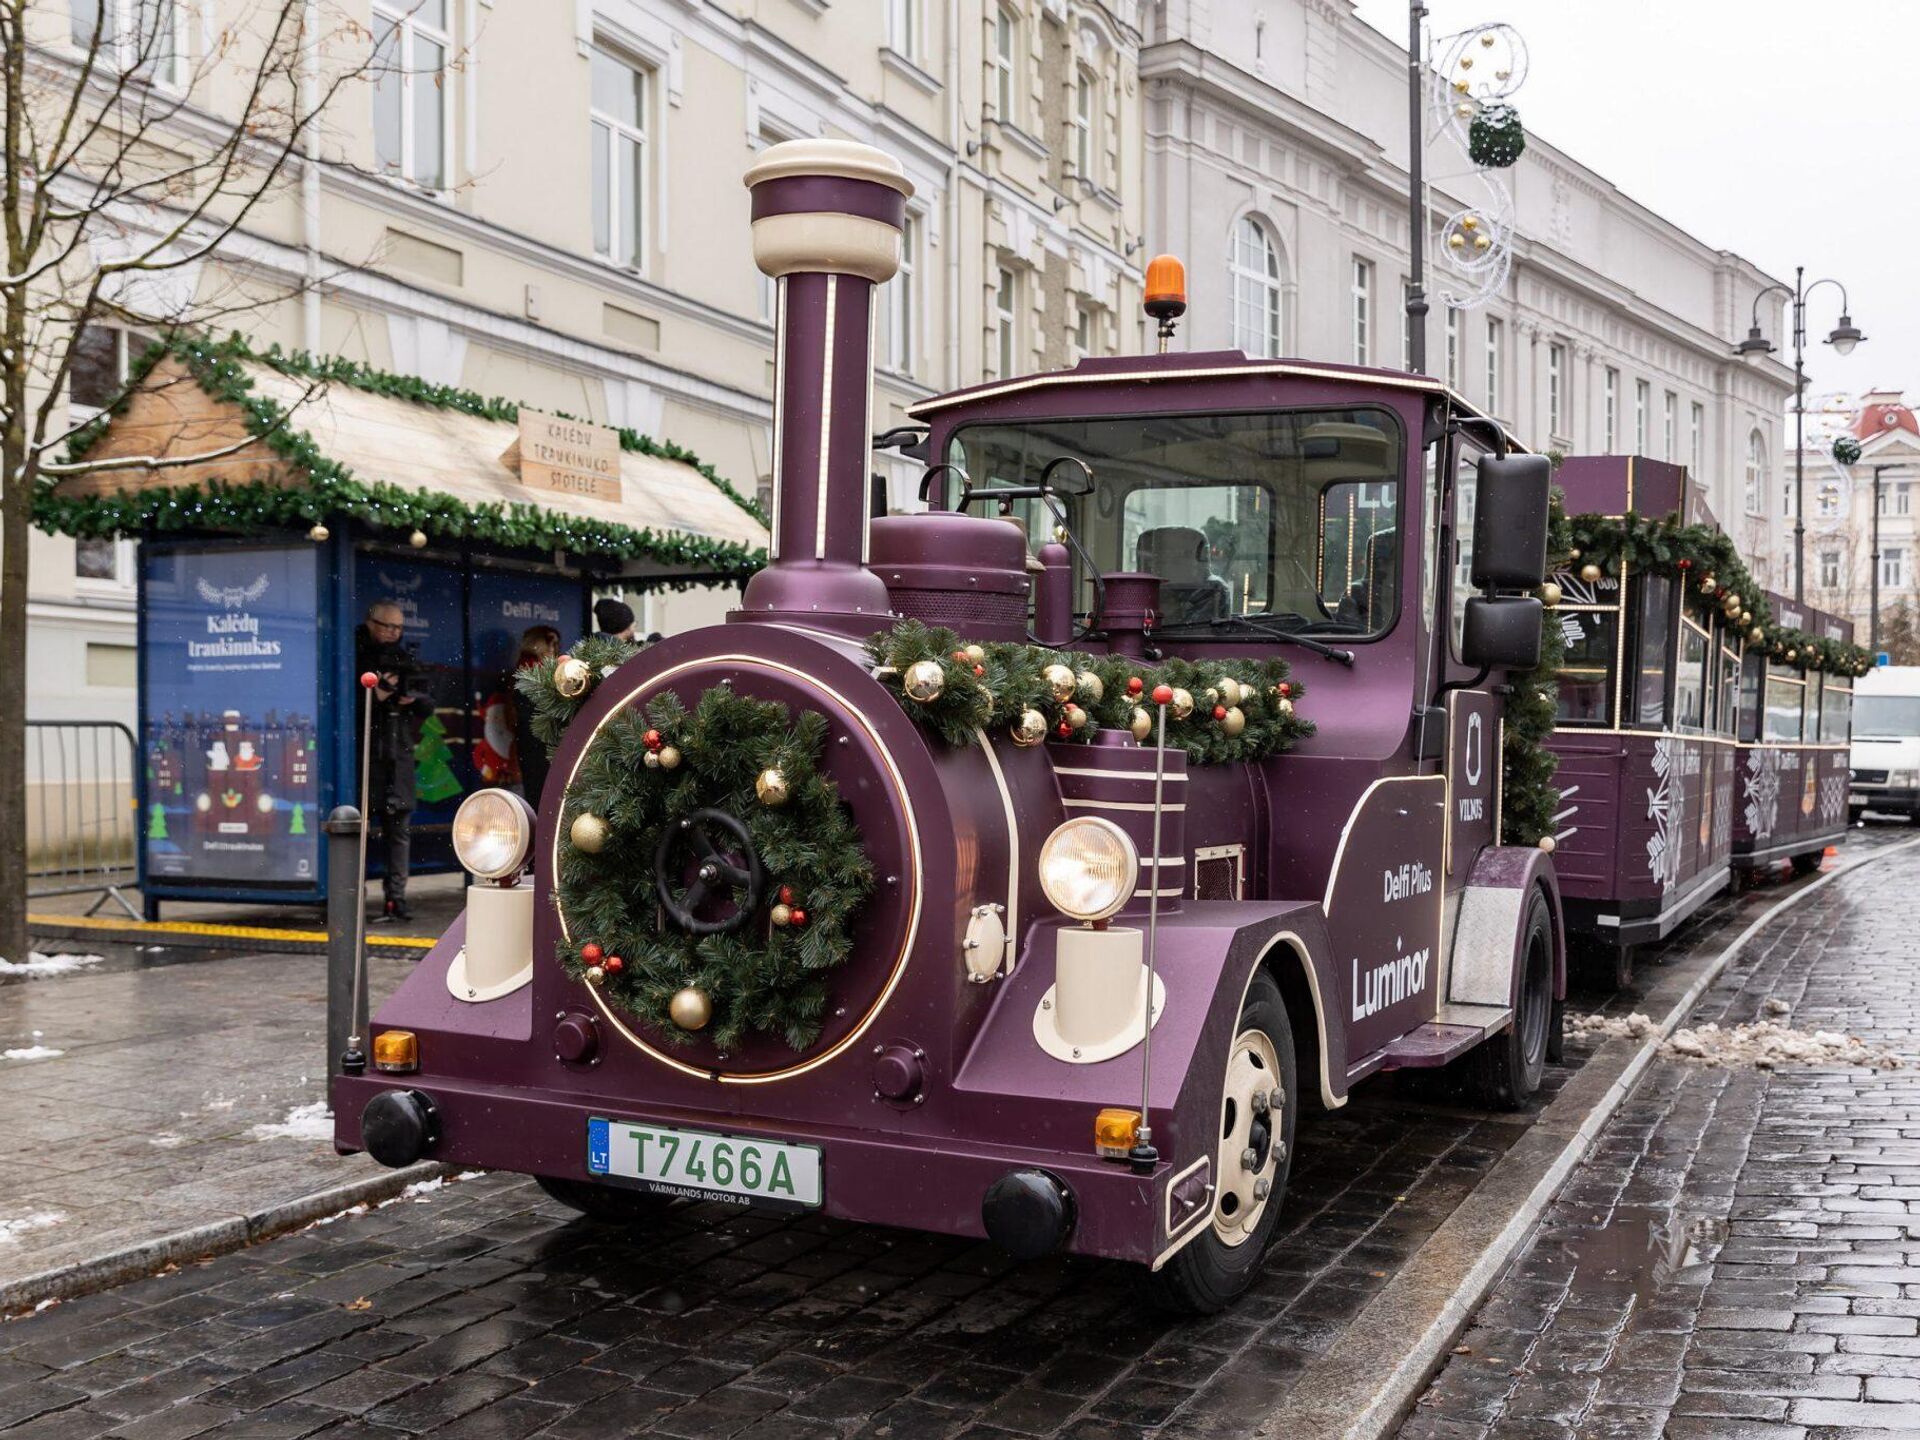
(1666,807)
(1763,792)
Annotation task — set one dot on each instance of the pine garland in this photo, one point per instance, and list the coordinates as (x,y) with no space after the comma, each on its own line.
(1528,798)
(332,492)
(762,978)
(1718,582)
(992,686)
(601,655)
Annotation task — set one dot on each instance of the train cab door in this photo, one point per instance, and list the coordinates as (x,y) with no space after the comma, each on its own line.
(1472,711)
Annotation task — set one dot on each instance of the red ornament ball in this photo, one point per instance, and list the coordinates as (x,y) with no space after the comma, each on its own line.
(961,656)
(652,740)
(798,918)
(369,680)
(1135,685)
(1685,564)
(1163,694)
(786,895)
(614,965)
(1219,712)
(590,954)
(1063,730)
(979,669)
(1285,688)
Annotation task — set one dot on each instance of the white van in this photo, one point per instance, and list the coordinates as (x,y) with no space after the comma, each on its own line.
(1885,773)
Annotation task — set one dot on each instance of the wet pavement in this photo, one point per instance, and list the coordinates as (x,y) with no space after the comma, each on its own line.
(1739,1255)
(483,1309)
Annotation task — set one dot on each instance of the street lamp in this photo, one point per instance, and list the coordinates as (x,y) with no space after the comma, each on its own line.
(1843,337)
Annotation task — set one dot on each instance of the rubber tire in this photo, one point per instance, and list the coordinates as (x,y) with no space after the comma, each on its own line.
(1855,814)
(1808,863)
(609,1204)
(1207,1275)
(1506,1070)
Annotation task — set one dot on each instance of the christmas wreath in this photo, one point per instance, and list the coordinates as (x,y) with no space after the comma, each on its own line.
(708,871)
(1495,139)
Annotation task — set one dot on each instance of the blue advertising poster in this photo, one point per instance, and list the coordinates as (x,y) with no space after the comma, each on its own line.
(232,690)
(503,606)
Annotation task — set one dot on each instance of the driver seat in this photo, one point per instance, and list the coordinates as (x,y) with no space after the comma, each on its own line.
(1190,593)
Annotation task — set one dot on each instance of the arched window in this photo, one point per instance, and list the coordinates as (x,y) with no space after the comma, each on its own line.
(1253,260)
(1756,473)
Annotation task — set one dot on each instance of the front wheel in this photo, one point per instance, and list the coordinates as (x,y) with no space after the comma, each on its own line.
(1507,1069)
(1250,1167)
(609,1204)
(1808,863)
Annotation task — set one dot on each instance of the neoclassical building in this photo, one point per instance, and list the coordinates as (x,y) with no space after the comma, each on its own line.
(1276,138)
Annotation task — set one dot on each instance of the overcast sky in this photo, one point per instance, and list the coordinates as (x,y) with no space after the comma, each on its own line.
(1785,130)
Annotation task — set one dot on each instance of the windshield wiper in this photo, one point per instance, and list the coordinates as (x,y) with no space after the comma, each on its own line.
(1274,632)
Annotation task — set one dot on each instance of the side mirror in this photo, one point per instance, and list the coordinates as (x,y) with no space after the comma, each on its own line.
(1503,633)
(1510,522)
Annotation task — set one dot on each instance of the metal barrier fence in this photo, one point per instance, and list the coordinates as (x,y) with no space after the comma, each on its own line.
(81,793)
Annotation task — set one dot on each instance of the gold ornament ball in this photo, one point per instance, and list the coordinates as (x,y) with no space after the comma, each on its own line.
(669,758)
(1456,241)
(924,681)
(1091,690)
(1547,843)
(1486,40)
(1589,572)
(975,653)
(1029,729)
(1182,704)
(781,915)
(596,975)
(1463,111)
(1708,584)
(1461,86)
(1792,654)
(1076,717)
(1573,554)
(1550,594)
(1746,617)
(418,539)
(1756,635)
(771,786)
(1466,62)
(651,760)
(318,533)
(1235,720)
(589,833)
(1283,705)
(1060,681)
(1141,724)
(690,1008)
(571,677)
(1230,692)
(1470,223)
(1481,242)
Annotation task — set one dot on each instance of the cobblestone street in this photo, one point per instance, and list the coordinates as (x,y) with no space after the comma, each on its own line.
(1738,1257)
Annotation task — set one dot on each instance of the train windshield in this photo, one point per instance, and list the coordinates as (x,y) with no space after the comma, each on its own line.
(1288,518)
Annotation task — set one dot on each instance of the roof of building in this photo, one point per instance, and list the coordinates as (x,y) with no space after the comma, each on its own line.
(1884,410)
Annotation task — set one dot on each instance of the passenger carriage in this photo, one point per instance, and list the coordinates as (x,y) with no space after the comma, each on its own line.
(1795,732)
(1039,917)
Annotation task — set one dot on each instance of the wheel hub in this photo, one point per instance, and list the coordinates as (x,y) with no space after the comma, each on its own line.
(1252,1111)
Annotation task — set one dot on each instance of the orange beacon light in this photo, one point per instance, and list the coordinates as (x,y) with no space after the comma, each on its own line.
(1166,294)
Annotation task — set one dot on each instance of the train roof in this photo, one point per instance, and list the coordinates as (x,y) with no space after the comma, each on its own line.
(1616,484)
(1798,615)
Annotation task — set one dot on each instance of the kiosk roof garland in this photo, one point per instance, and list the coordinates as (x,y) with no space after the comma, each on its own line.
(287,480)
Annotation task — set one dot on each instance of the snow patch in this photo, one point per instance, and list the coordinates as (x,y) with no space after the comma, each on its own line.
(37,966)
(32,1052)
(12,1230)
(217,1105)
(1763,1044)
(166,1141)
(305,1122)
(1611,1027)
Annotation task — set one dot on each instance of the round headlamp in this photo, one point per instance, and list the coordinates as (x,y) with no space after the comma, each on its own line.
(492,834)
(1088,868)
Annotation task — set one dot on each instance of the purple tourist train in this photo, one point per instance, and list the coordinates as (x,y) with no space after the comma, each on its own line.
(1795,733)
(1022,867)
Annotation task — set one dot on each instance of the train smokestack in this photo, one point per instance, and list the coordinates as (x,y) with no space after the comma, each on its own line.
(827,218)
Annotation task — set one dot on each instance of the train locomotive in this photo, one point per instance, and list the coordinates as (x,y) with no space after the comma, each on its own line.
(1018,868)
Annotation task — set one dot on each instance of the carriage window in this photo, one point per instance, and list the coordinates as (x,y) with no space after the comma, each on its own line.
(1728,696)
(1586,673)
(1785,696)
(1466,490)
(1753,669)
(1290,518)
(1690,679)
(1836,717)
(1656,629)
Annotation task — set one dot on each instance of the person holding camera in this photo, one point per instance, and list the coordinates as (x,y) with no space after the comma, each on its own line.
(398,714)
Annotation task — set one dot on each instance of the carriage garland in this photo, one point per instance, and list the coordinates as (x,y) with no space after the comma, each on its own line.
(654,775)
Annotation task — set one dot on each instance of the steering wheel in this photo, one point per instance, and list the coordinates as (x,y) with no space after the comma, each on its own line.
(725,870)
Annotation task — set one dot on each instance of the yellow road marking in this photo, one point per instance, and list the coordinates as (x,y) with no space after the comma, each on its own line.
(201,927)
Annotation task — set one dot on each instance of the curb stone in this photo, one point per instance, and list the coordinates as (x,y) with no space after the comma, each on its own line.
(1363,1386)
(200,1242)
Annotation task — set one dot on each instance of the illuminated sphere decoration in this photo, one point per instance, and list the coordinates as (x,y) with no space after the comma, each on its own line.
(924,681)
(691,1008)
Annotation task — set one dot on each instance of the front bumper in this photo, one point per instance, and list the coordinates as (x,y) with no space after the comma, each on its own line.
(1886,799)
(867,1176)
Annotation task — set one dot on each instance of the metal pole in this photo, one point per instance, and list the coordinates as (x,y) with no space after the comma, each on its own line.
(1416,198)
(1799,435)
(346,1003)
(1873,569)
(1143,1155)
(353,1059)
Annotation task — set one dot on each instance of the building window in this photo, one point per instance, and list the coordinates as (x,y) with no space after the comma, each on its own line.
(901,297)
(1670,427)
(1786,497)
(1003,66)
(147,38)
(99,363)
(1406,325)
(1081,339)
(1830,569)
(903,27)
(619,105)
(1697,439)
(1756,473)
(1893,569)
(1453,348)
(411,136)
(1829,501)
(1493,366)
(1083,95)
(1006,322)
(1611,409)
(1254,263)
(1642,404)
(1362,310)
(1556,387)
(1902,499)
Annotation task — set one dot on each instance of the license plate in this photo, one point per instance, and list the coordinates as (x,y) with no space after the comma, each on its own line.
(700,1165)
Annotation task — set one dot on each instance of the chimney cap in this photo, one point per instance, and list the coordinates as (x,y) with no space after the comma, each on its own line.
(838,159)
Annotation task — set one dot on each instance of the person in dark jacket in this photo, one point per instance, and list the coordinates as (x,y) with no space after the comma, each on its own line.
(538,643)
(398,714)
(613,617)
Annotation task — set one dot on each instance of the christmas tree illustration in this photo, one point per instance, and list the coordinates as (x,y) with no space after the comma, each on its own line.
(433,764)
